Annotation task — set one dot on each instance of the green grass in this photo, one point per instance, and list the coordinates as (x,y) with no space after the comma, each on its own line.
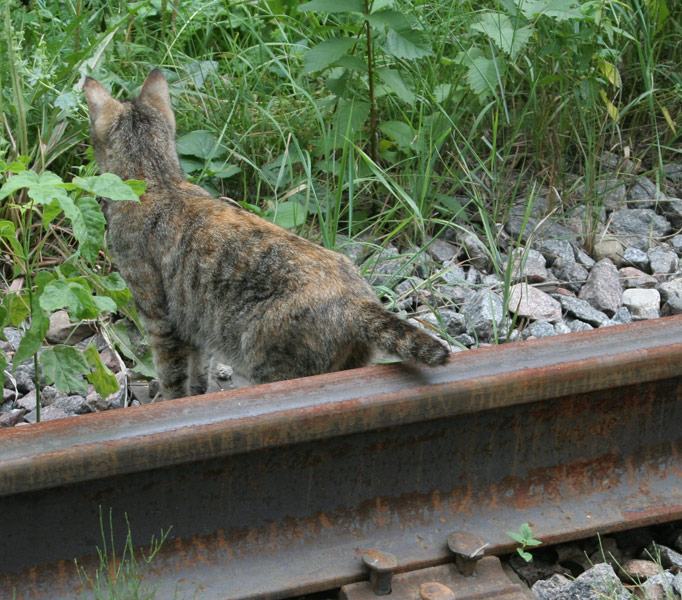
(444,118)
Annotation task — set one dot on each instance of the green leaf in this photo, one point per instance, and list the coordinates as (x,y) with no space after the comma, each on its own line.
(353,63)
(16,308)
(394,83)
(223,170)
(410,44)
(3,366)
(108,186)
(481,75)
(34,336)
(392,19)
(65,366)
(499,28)
(90,234)
(561,10)
(191,165)
(101,377)
(287,214)
(43,188)
(441,92)
(200,143)
(527,556)
(326,53)
(8,231)
(50,212)
(333,6)
(517,537)
(114,287)
(401,133)
(76,297)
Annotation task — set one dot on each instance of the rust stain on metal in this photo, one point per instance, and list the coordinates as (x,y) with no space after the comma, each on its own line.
(271,490)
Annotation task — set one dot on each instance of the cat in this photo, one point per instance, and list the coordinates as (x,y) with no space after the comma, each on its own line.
(211,278)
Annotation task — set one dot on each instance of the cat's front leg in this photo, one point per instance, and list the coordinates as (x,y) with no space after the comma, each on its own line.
(171,358)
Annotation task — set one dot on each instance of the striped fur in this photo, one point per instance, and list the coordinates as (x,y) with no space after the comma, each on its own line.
(209,278)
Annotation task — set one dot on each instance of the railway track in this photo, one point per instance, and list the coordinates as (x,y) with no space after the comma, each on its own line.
(302,486)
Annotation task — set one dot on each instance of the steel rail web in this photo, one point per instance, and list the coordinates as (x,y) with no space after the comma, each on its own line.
(276,490)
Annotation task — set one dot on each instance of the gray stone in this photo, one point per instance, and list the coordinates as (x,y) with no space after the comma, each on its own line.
(63,331)
(491,281)
(634,278)
(13,336)
(672,209)
(610,161)
(556,249)
(442,251)
(677,584)
(27,401)
(483,313)
(527,265)
(576,325)
(676,243)
(475,249)
(406,293)
(668,557)
(643,193)
(596,583)
(356,250)
(386,268)
(642,303)
(582,310)
(561,328)
(456,294)
(223,372)
(637,258)
(622,316)
(663,260)
(637,570)
(550,589)
(583,258)
(642,222)
(464,339)
(602,288)
(673,172)
(539,329)
(11,418)
(455,322)
(571,274)
(72,405)
(531,303)
(8,395)
(473,276)
(452,273)
(23,376)
(671,294)
(518,227)
(49,413)
(608,246)
(611,193)
(658,587)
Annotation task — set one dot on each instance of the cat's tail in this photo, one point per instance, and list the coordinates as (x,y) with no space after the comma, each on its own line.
(396,336)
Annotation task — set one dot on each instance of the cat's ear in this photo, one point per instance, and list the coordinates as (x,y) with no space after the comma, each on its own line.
(101,106)
(155,94)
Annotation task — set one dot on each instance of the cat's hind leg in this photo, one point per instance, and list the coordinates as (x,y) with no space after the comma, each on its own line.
(198,372)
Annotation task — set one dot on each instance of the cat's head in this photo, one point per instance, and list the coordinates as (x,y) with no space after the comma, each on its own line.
(134,139)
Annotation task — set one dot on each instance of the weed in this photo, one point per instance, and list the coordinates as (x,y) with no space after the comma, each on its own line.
(524,537)
(119,576)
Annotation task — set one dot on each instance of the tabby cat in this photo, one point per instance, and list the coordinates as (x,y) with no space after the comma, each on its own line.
(209,278)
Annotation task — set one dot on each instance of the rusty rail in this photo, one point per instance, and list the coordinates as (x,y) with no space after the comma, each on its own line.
(277,490)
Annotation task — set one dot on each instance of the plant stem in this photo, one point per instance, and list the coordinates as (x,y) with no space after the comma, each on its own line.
(370,78)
